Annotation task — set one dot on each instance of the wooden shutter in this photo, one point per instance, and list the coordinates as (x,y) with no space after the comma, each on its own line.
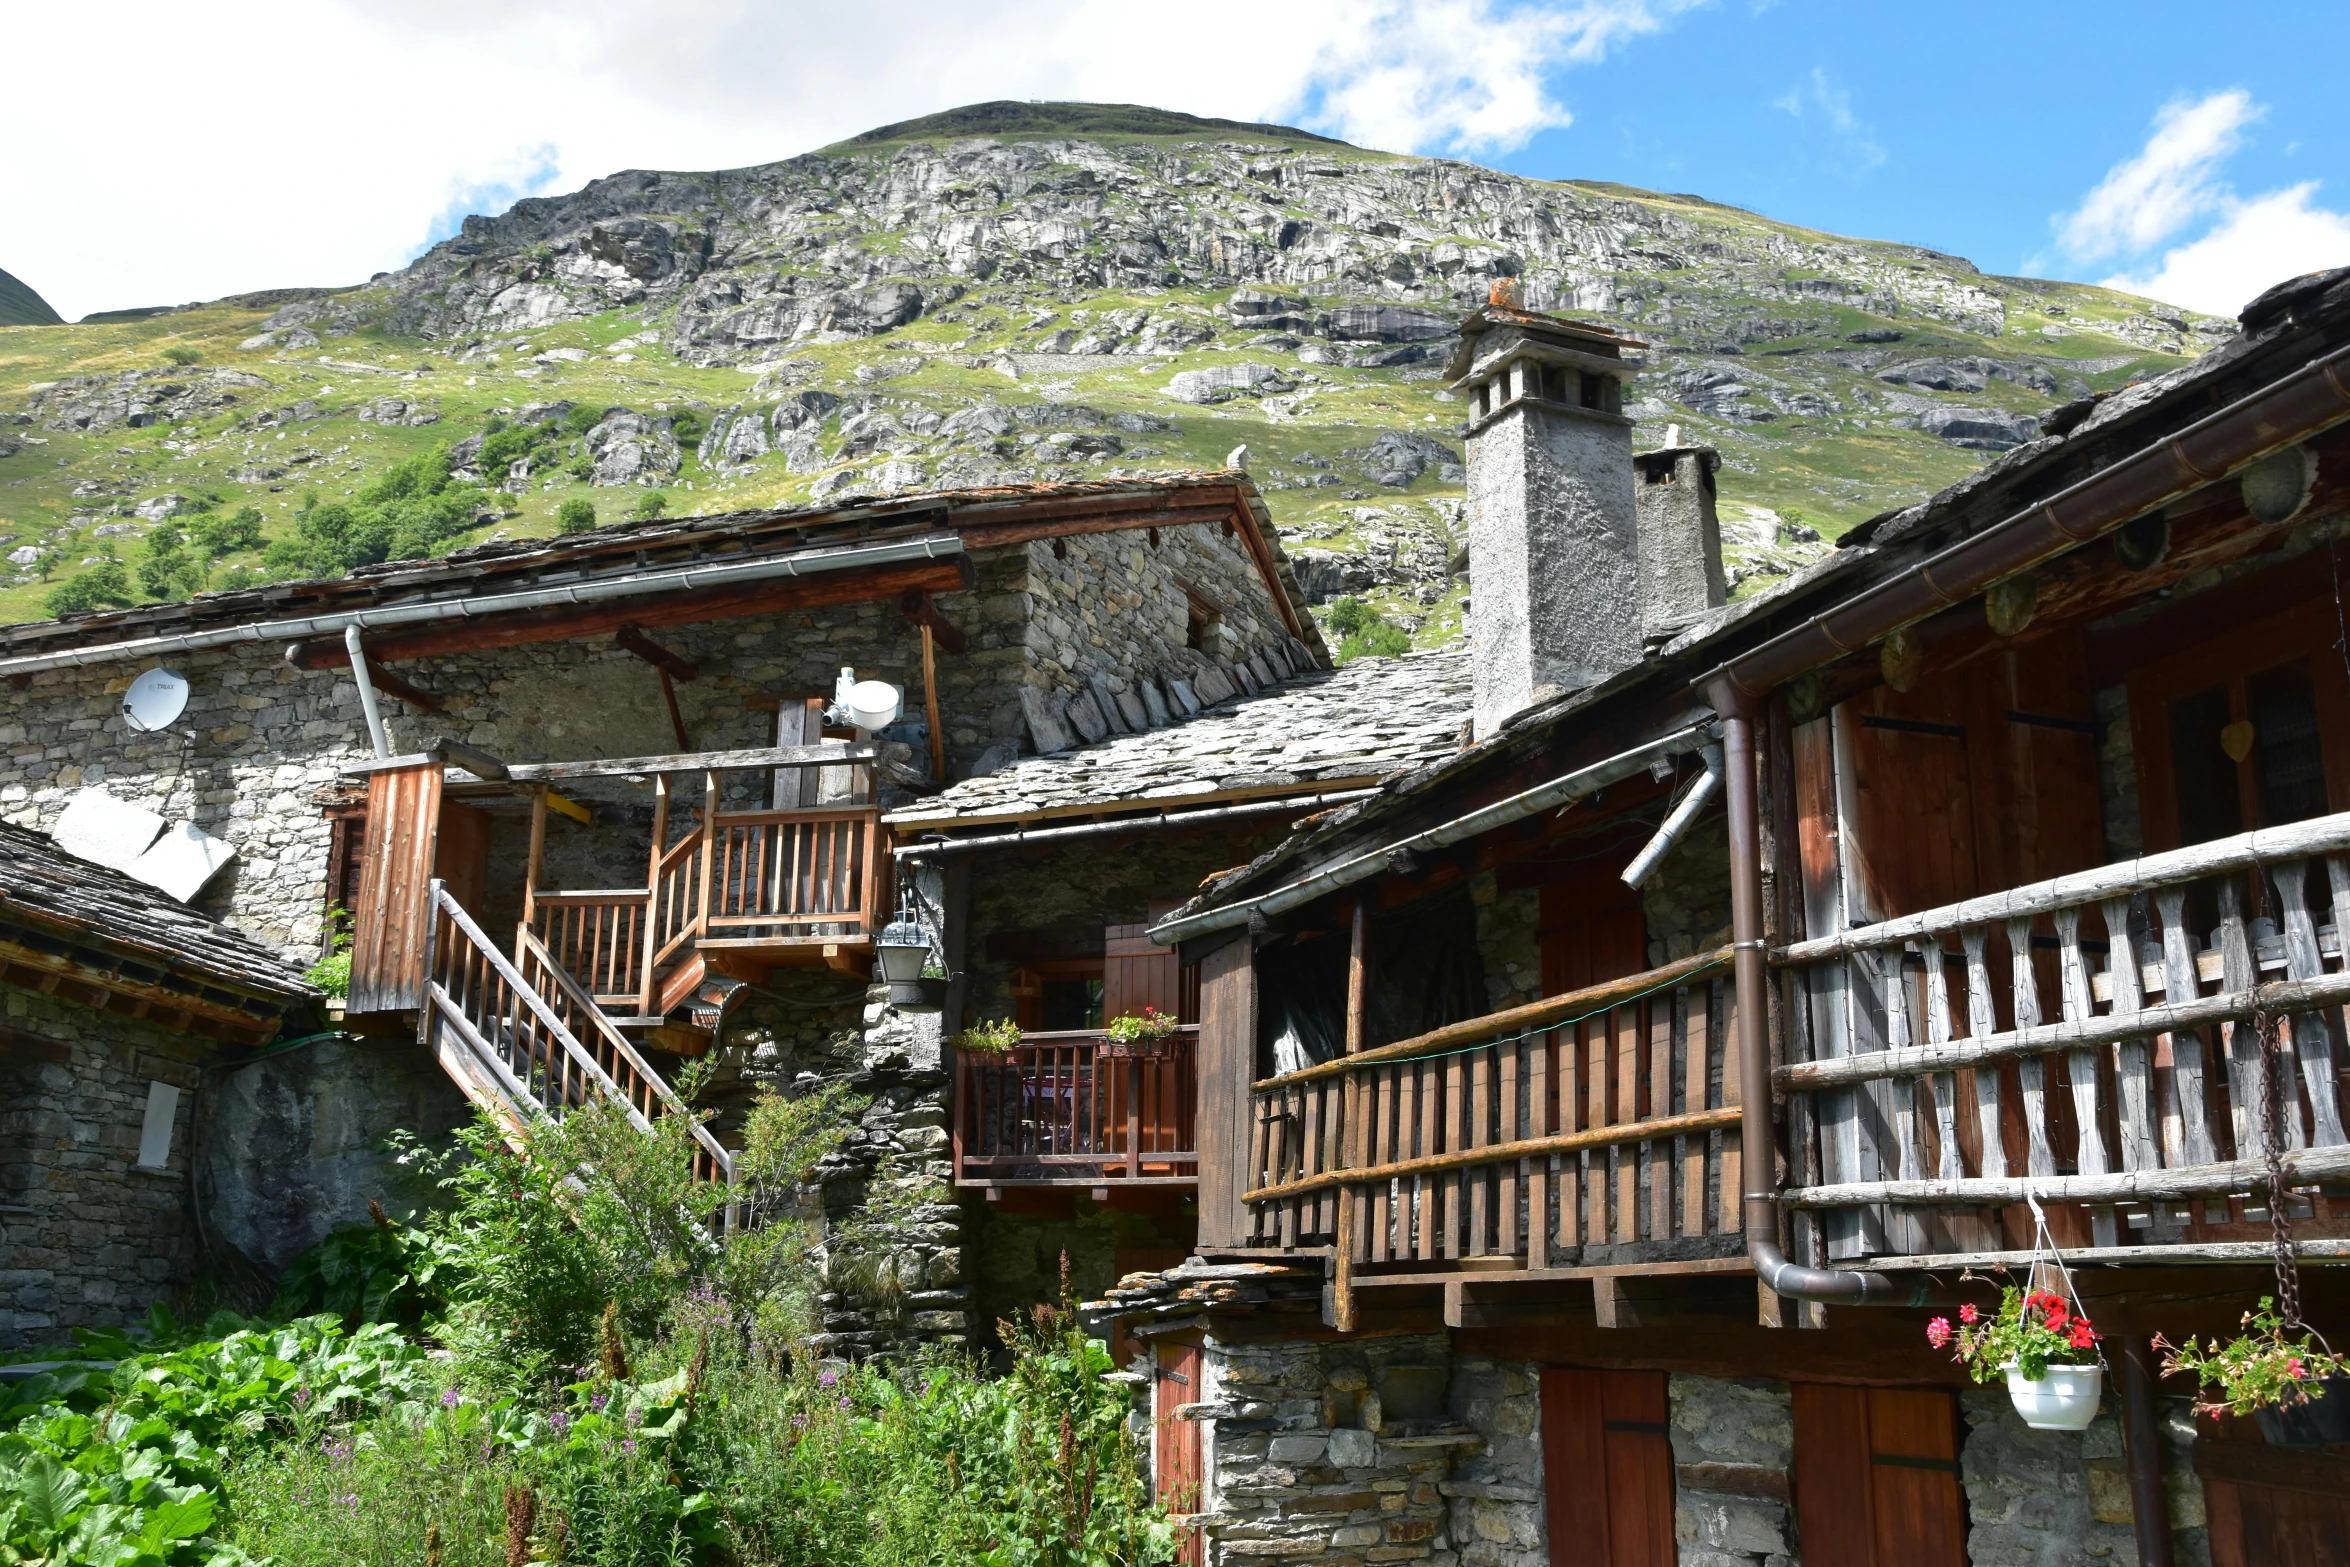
(1607,1468)
(1592,930)
(2272,1506)
(388,925)
(1227,1057)
(1175,1444)
(1137,972)
(1876,1478)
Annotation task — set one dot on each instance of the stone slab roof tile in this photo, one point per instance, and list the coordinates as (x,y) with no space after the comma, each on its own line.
(1372,718)
(42,885)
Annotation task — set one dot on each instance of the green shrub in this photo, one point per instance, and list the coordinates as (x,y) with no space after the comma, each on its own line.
(575,515)
(107,582)
(1364,632)
(169,571)
(409,511)
(651,506)
(686,426)
(380,1271)
(1350,614)
(216,535)
(181,354)
(584,418)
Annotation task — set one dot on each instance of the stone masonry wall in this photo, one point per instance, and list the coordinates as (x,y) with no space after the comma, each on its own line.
(87,1237)
(2044,1498)
(1733,1448)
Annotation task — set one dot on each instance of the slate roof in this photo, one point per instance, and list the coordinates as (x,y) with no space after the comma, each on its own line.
(1369,719)
(626,548)
(44,887)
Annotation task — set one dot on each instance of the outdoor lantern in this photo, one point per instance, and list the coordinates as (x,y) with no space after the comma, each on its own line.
(904,951)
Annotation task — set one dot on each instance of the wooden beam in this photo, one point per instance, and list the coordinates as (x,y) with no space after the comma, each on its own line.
(16,1045)
(938,740)
(828,753)
(392,685)
(572,622)
(632,640)
(916,606)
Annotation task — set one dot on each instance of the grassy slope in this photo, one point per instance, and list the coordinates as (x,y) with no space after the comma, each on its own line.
(1829,471)
(21,306)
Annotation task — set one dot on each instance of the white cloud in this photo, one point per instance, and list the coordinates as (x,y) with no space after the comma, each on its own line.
(198,151)
(1817,94)
(2255,244)
(2172,181)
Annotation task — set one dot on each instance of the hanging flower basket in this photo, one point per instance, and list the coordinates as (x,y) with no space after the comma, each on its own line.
(2042,1345)
(2064,1398)
(1145,1035)
(2295,1387)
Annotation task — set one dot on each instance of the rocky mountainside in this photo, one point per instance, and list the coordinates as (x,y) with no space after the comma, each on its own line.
(1017,291)
(20,306)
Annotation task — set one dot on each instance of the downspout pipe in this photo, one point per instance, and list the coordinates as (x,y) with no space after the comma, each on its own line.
(1677,822)
(1749,969)
(375,717)
(1501,813)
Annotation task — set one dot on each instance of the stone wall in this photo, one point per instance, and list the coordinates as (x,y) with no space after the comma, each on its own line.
(2044,1498)
(1733,1449)
(88,1238)
(294,1144)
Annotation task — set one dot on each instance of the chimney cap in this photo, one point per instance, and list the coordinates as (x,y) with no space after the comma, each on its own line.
(1579,336)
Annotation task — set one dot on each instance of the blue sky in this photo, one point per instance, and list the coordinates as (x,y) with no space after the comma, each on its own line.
(2180,147)
(1972,130)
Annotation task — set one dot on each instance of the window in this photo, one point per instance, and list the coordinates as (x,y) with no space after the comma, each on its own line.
(1203,619)
(1594,390)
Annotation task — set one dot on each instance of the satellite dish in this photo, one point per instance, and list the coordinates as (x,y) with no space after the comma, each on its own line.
(155,699)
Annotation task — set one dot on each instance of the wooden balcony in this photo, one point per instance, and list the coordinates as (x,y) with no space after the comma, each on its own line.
(734,891)
(1075,1109)
(1593,1129)
(2078,1040)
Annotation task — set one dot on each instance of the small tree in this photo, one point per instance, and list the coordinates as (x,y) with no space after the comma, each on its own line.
(575,515)
(107,582)
(652,506)
(216,535)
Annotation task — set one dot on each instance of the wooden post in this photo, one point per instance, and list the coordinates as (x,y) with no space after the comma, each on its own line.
(710,786)
(538,858)
(649,985)
(938,741)
(1358,974)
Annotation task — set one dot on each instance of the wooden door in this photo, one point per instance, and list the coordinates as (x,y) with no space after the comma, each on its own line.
(1137,972)
(1877,1478)
(461,854)
(1149,1097)
(2272,1506)
(1592,929)
(1175,1442)
(1607,1468)
(395,880)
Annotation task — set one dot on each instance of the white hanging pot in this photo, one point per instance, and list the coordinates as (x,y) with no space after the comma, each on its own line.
(2064,1400)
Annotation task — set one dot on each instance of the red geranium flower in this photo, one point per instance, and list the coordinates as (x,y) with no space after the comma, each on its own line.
(1967,1314)
(1938,1332)
(2081,1337)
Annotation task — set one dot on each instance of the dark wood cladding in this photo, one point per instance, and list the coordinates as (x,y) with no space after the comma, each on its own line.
(395,884)
(1227,1064)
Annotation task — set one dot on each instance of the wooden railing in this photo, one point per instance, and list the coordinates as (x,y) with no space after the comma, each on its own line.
(531,1041)
(792,873)
(2075,1039)
(1593,1127)
(597,937)
(1071,1109)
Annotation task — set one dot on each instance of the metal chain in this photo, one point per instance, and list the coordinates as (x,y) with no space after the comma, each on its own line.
(2272,1123)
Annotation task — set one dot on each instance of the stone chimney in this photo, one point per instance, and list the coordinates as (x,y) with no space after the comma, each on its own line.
(1680,537)
(1554,538)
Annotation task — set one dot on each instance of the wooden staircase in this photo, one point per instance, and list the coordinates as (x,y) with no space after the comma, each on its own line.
(729,895)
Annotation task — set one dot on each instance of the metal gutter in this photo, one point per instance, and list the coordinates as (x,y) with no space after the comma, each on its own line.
(1558,791)
(2287,410)
(1006,840)
(929,546)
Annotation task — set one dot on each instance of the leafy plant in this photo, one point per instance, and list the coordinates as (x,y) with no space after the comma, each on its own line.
(2034,1330)
(169,571)
(332,973)
(216,535)
(686,427)
(2260,1368)
(1135,1027)
(182,354)
(1364,632)
(411,510)
(583,418)
(992,1038)
(652,506)
(575,516)
(380,1271)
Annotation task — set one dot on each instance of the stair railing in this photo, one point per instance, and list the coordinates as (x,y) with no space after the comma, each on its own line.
(519,1026)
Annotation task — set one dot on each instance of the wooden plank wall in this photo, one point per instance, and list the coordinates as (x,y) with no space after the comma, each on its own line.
(1227,1065)
(395,883)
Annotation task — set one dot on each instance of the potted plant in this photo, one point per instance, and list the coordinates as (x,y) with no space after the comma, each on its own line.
(2280,1381)
(988,1038)
(1144,1033)
(2042,1345)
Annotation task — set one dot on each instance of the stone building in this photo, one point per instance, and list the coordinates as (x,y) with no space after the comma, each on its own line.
(123,1010)
(1593,1120)
(620,776)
